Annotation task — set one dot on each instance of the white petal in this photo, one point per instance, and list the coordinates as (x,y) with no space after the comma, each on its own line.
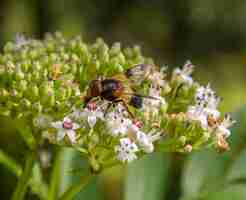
(75,126)
(148,148)
(60,135)
(67,119)
(92,121)
(71,135)
(99,114)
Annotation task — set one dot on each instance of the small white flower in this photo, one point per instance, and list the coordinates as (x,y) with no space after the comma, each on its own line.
(20,41)
(126,150)
(92,115)
(196,113)
(145,141)
(117,125)
(223,127)
(66,127)
(206,97)
(184,74)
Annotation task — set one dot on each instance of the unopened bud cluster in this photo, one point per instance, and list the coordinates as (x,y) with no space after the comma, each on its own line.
(45,81)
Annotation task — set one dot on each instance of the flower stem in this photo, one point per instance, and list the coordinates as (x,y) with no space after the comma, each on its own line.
(22,184)
(55,178)
(74,189)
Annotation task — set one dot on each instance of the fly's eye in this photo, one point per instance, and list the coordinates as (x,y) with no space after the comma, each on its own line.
(136,101)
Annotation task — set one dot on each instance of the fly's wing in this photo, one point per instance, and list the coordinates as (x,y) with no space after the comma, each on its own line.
(138,73)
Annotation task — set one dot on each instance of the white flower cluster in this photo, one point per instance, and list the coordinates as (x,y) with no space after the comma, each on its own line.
(131,138)
(206,112)
(184,74)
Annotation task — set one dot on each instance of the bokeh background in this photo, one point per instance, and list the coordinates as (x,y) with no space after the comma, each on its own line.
(212,34)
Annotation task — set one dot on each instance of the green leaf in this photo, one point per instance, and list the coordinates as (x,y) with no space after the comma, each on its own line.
(74,166)
(202,171)
(236,192)
(10,163)
(146,178)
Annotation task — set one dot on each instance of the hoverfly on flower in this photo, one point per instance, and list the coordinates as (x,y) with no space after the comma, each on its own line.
(119,88)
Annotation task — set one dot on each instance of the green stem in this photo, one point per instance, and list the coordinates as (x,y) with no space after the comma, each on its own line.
(22,184)
(55,177)
(75,189)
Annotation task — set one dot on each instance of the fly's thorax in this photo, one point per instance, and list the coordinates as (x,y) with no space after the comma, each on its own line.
(112,89)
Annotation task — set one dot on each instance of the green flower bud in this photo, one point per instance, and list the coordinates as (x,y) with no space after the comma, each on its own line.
(26,104)
(19,75)
(35,76)
(53,57)
(37,66)
(22,85)
(48,100)
(33,54)
(182,140)
(4,94)
(115,50)
(50,46)
(15,94)
(75,58)
(46,88)
(5,111)
(121,58)
(34,92)
(25,66)
(61,94)
(73,69)
(37,107)
(9,47)
(65,56)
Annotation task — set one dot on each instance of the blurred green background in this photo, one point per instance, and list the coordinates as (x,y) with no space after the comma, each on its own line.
(212,34)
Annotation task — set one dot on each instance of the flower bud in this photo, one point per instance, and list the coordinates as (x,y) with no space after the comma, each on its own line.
(25,103)
(115,49)
(9,47)
(34,92)
(75,58)
(121,58)
(25,66)
(4,94)
(182,140)
(46,88)
(15,94)
(22,85)
(37,107)
(33,54)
